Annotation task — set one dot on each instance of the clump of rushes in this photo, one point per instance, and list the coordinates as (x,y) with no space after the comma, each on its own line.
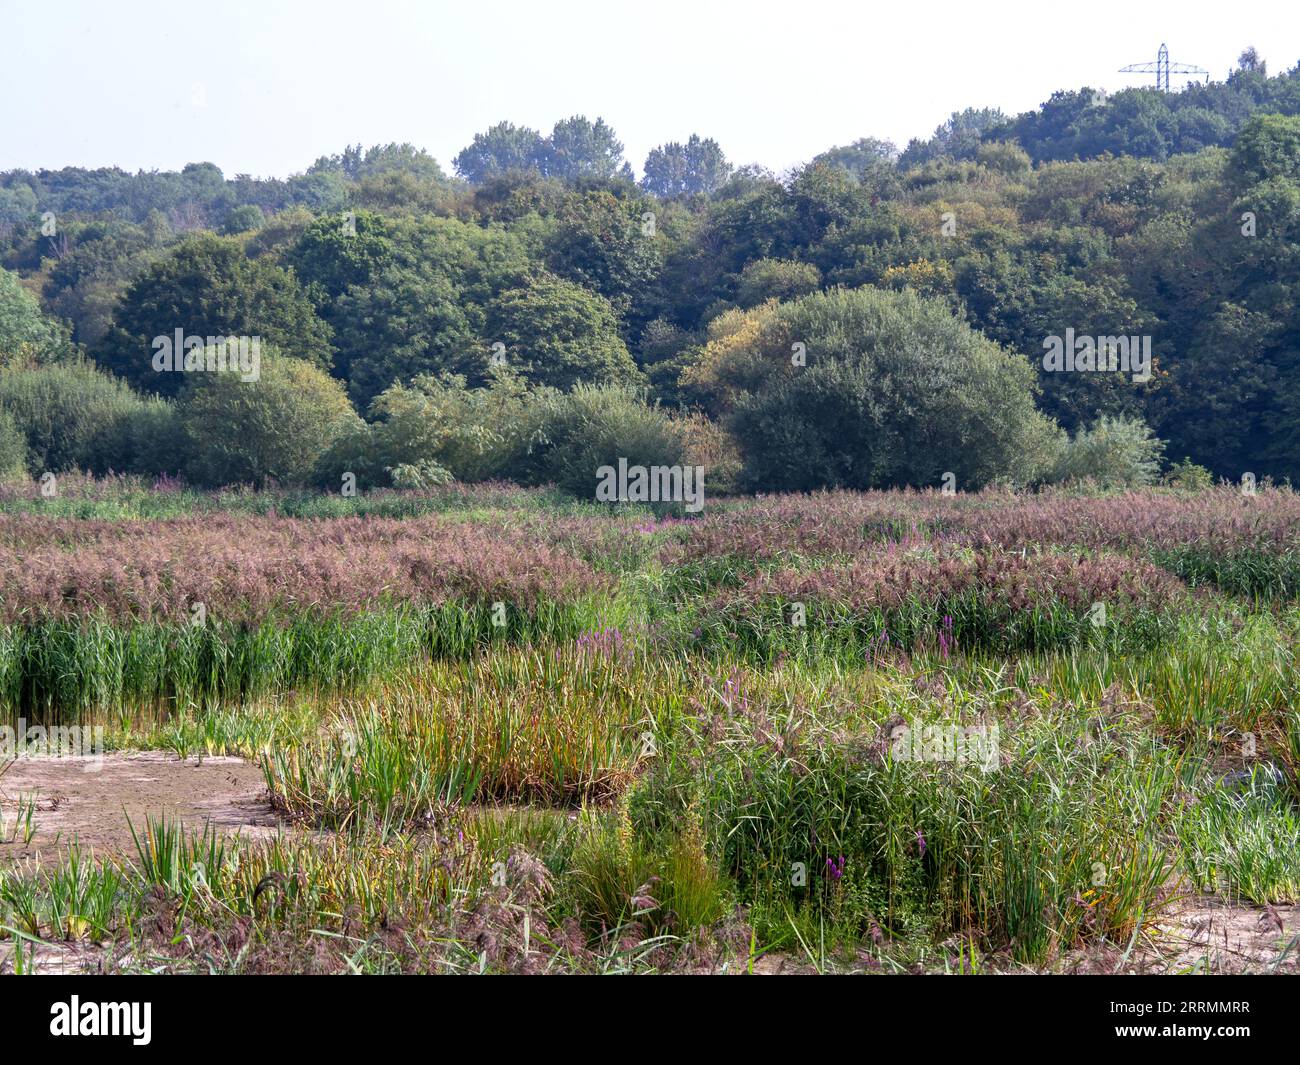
(1217,680)
(455,897)
(559,726)
(23,825)
(65,670)
(200,875)
(1242,840)
(75,898)
(1054,841)
(663,883)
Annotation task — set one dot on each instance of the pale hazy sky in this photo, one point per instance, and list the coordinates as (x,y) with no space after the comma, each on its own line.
(265,87)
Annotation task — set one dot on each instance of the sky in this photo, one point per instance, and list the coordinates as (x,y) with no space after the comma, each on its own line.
(266,87)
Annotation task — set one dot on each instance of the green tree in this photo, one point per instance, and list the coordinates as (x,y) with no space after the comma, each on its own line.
(675,169)
(866,388)
(779,279)
(560,334)
(580,148)
(502,148)
(246,218)
(423,310)
(84,284)
(1267,146)
(25,331)
(599,242)
(403,324)
(1097,310)
(17,204)
(340,250)
(871,160)
(13,449)
(354,164)
(254,432)
(958,138)
(209,287)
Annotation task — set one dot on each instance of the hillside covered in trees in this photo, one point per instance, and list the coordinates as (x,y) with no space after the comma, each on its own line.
(874,318)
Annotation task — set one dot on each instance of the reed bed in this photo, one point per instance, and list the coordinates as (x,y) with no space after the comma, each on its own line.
(989,599)
(64,671)
(559,727)
(526,738)
(1244,544)
(248,569)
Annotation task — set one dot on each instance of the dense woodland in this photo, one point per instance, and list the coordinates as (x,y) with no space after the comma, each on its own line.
(537,310)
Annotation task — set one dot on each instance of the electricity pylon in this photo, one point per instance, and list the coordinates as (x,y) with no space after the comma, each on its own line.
(1162,68)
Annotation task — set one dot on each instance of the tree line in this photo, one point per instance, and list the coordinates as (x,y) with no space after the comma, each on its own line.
(874,317)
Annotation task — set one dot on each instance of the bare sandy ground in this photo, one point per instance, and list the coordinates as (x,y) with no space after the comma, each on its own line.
(1203,934)
(90,799)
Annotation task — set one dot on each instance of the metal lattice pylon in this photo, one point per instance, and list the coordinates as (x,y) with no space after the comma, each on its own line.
(1162,68)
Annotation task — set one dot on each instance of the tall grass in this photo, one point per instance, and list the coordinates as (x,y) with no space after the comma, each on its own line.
(1244,842)
(1212,679)
(63,671)
(1058,842)
(559,725)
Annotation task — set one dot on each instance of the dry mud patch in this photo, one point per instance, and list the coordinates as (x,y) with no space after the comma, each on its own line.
(1200,933)
(96,800)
